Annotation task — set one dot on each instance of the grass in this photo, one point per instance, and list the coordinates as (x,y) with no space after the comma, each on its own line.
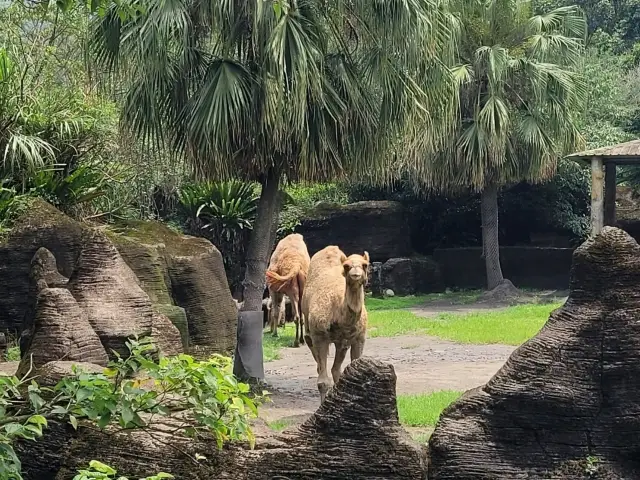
(423,410)
(271,346)
(462,297)
(12,354)
(511,326)
(280,425)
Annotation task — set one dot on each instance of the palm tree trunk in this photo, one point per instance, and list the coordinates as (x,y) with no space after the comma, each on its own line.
(490,245)
(260,243)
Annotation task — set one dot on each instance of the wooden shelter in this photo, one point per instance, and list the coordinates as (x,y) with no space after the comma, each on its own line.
(603,179)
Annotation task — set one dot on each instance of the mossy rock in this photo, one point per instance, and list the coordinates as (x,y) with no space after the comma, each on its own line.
(193,273)
(178,317)
(148,263)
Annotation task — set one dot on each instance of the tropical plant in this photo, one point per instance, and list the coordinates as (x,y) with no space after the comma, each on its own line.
(268,90)
(519,98)
(100,471)
(131,393)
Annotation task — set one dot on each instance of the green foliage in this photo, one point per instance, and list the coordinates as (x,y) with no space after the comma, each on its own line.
(13,354)
(100,471)
(614,25)
(519,97)
(301,198)
(237,108)
(130,393)
(230,207)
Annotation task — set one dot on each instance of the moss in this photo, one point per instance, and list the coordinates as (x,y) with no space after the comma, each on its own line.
(155,233)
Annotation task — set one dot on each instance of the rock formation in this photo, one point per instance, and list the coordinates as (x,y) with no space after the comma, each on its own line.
(148,248)
(408,276)
(61,331)
(183,272)
(355,434)
(379,227)
(108,292)
(568,394)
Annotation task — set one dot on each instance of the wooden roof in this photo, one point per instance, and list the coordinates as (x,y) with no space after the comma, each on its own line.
(623,153)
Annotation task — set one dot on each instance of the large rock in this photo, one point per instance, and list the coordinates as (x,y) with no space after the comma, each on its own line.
(44,274)
(148,249)
(108,291)
(379,227)
(408,276)
(569,393)
(355,434)
(61,332)
(184,271)
(41,226)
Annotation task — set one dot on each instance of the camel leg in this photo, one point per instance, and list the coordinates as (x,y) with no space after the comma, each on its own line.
(357,347)
(324,381)
(341,353)
(274,313)
(296,318)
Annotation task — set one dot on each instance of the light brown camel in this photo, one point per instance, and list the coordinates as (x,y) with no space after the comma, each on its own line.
(333,310)
(286,275)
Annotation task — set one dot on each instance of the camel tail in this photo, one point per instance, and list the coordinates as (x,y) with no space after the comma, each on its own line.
(277,282)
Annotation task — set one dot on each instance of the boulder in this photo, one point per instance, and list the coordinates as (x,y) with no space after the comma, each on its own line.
(165,335)
(43,274)
(51,373)
(354,434)
(159,257)
(41,226)
(199,285)
(183,271)
(61,332)
(178,318)
(379,227)
(567,395)
(408,276)
(108,292)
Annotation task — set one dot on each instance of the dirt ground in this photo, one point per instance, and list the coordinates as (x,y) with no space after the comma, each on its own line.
(422,364)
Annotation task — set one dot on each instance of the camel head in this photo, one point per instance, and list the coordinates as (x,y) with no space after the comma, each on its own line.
(355,269)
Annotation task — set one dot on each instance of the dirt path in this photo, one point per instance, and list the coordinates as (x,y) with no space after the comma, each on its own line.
(423,364)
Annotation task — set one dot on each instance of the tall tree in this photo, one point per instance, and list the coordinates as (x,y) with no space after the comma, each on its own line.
(519,99)
(275,90)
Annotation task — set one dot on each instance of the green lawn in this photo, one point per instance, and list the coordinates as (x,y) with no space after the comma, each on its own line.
(271,346)
(511,326)
(423,410)
(395,303)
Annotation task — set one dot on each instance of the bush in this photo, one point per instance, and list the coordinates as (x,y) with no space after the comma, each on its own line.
(214,403)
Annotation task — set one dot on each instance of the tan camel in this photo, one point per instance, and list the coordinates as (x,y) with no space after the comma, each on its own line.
(333,310)
(286,275)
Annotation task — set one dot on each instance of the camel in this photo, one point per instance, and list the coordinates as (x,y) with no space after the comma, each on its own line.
(286,275)
(333,310)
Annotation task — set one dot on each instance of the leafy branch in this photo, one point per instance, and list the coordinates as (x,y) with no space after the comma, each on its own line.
(131,393)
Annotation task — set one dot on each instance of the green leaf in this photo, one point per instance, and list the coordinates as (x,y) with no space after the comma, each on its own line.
(38,420)
(104,420)
(127,414)
(101,467)
(73,421)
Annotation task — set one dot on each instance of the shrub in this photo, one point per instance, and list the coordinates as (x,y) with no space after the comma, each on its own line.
(215,404)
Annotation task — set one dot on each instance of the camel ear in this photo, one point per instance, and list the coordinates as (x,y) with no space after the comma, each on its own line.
(366,256)
(343,258)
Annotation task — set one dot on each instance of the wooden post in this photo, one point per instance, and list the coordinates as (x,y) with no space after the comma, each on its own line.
(597,196)
(610,194)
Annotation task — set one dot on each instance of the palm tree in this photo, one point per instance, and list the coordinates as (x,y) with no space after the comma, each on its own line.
(519,100)
(277,90)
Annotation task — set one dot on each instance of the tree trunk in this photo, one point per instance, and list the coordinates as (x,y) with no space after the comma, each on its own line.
(260,243)
(491,247)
